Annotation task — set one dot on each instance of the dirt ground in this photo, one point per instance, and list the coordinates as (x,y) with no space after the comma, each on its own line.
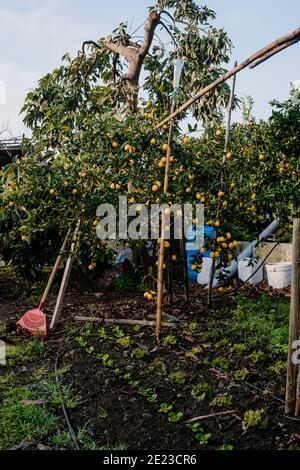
(131,391)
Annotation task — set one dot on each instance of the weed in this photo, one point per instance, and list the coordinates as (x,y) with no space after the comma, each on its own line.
(102,333)
(20,421)
(256,356)
(102,413)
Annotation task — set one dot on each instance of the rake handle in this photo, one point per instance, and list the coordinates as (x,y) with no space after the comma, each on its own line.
(54,271)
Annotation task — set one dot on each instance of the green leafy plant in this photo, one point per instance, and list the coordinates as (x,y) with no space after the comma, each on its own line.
(256,356)
(170,340)
(226,447)
(194,352)
(165,407)
(278,367)
(178,377)
(221,362)
(102,333)
(201,391)
(175,417)
(153,398)
(202,437)
(254,419)
(222,401)
(140,353)
(125,341)
(241,374)
(238,348)
(119,333)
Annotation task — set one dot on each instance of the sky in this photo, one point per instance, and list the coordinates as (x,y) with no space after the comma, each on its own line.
(36,33)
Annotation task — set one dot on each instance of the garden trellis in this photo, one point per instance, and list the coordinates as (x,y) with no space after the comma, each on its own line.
(293,383)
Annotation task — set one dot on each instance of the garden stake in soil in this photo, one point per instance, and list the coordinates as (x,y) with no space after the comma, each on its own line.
(33,322)
(290,397)
(66,276)
(160,273)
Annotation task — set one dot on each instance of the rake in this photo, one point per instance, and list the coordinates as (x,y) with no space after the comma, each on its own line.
(33,322)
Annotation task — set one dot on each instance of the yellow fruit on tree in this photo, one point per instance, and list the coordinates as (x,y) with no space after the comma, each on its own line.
(155,188)
(118,186)
(261,157)
(166,244)
(186,140)
(228,235)
(112,186)
(188,190)
(158,183)
(127,148)
(174,258)
(92,266)
(218,133)
(115,145)
(235,243)
(228,155)
(153,141)
(132,200)
(221,193)
(217,223)
(165,147)
(199,196)
(194,267)
(202,199)
(75,191)
(52,191)
(253,196)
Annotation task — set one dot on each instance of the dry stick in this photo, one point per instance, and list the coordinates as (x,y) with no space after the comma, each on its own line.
(274,52)
(263,52)
(212,415)
(123,321)
(160,273)
(290,395)
(227,138)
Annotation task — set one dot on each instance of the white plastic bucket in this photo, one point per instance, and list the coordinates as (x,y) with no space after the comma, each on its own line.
(279,274)
(246,268)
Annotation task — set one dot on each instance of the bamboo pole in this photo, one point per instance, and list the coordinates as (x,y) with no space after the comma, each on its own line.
(160,272)
(290,396)
(294,36)
(227,139)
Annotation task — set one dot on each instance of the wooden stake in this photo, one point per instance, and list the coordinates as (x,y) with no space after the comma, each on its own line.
(297,406)
(293,36)
(65,278)
(290,396)
(160,273)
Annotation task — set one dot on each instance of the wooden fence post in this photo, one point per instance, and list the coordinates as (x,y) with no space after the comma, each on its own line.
(290,397)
